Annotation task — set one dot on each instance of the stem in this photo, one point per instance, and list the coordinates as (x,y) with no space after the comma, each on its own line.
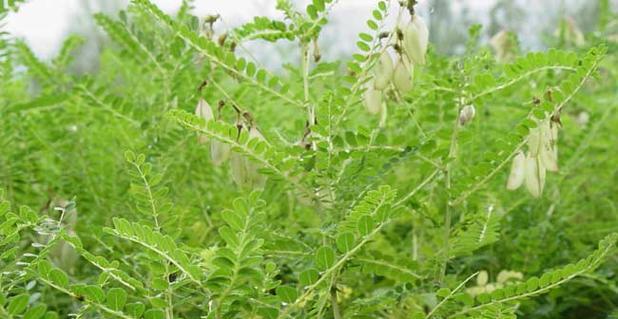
(450,295)
(452,154)
(333,300)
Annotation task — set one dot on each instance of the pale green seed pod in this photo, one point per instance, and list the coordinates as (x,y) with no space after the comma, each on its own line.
(204,111)
(403,76)
(466,114)
(62,254)
(518,168)
(535,141)
(244,171)
(219,152)
(372,99)
(383,71)
(482,278)
(507,275)
(547,149)
(416,39)
(535,176)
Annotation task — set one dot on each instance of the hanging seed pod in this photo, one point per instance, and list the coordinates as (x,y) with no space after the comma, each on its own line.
(244,171)
(372,99)
(383,71)
(415,39)
(516,177)
(403,76)
(534,141)
(504,44)
(219,152)
(466,114)
(535,176)
(204,111)
(62,254)
(548,151)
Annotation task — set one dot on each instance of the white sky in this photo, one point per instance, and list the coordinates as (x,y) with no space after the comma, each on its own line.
(44,23)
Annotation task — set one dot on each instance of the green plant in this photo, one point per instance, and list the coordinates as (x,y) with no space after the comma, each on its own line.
(313,207)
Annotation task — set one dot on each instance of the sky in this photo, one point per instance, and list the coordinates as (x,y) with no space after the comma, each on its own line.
(43,24)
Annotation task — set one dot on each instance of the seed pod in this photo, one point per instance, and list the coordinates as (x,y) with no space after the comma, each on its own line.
(535,176)
(582,118)
(372,99)
(415,39)
(506,275)
(204,111)
(383,71)
(547,148)
(516,177)
(62,254)
(466,114)
(403,76)
(244,171)
(535,141)
(482,278)
(504,44)
(219,152)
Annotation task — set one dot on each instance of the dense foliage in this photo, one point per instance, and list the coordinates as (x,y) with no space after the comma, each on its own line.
(283,197)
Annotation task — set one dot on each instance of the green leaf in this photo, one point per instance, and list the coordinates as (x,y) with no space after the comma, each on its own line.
(308,277)
(36,312)
(365,225)
(116,298)
(58,277)
(135,309)
(286,294)
(18,304)
(154,314)
(345,241)
(324,258)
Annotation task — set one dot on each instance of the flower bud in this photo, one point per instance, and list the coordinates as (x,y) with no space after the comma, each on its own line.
(383,71)
(372,99)
(466,114)
(516,177)
(415,39)
(403,76)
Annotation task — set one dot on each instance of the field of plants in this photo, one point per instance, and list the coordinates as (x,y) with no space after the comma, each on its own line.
(184,180)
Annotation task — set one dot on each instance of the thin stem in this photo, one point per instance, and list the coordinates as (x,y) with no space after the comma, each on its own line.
(450,295)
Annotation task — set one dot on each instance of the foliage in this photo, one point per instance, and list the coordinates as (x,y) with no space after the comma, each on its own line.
(125,214)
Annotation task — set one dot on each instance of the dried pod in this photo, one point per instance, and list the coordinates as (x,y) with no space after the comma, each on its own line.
(372,99)
(415,39)
(516,177)
(466,114)
(383,71)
